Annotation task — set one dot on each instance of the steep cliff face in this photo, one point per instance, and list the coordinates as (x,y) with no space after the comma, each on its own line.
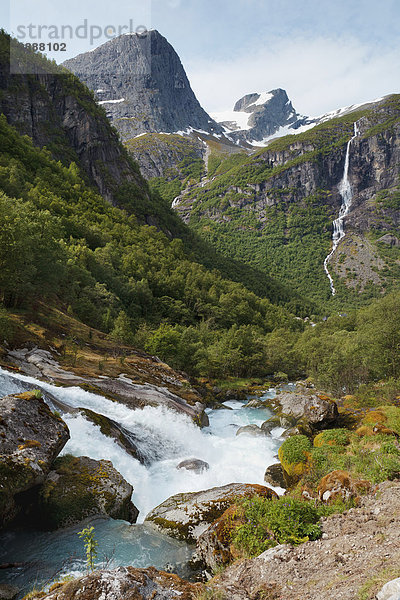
(140,81)
(279,204)
(57,111)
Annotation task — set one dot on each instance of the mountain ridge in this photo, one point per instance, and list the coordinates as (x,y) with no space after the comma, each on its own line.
(140,80)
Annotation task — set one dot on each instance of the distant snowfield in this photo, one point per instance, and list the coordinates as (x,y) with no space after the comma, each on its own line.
(263,99)
(112,101)
(240,118)
(281,132)
(344,110)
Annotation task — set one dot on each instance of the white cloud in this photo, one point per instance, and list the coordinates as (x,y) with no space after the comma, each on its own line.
(319,74)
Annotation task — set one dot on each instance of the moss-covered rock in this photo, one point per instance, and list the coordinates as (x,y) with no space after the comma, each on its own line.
(31,436)
(294,454)
(214,547)
(332,437)
(80,487)
(186,516)
(339,485)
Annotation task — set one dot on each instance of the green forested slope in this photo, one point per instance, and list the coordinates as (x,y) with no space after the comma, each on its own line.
(59,239)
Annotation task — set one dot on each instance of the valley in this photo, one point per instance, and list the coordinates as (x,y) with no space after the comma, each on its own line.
(199,336)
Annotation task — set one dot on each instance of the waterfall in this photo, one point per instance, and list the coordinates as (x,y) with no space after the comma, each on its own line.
(346,193)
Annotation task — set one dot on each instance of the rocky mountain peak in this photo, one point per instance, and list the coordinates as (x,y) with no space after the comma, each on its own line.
(258,116)
(140,81)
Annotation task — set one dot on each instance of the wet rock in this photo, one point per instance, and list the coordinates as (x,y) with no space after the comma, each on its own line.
(8,592)
(271,424)
(124,583)
(251,430)
(301,428)
(340,485)
(40,363)
(194,464)
(256,403)
(110,428)
(31,436)
(318,410)
(186,516)
(274,476)
(287,421)
(80,487)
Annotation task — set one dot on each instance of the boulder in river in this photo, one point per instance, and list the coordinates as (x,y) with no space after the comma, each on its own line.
(123,583)
(194,464)
(318,410)
(31,437)
(274,476)
(185,516)
(270,424)
(80,487)
(252,430)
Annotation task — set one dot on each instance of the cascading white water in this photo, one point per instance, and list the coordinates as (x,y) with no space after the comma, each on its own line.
(347,195)
(166,438)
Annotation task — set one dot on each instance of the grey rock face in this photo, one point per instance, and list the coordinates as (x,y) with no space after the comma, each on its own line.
(60,113)
(125,583)
(146,83)
(318,412)
(162,155)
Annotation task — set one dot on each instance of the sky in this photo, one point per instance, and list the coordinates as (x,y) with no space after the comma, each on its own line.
(325,54)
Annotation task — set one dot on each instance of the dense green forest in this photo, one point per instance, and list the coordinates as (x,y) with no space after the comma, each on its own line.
(61,240)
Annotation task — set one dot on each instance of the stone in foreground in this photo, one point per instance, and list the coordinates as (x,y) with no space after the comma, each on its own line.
(187,516)
(124,583)
(31,436)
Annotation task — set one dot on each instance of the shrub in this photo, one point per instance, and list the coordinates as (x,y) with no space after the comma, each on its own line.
(271,522)
(294,454)
(332,437)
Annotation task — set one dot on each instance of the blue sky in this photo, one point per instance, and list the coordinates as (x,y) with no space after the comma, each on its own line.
(326,54)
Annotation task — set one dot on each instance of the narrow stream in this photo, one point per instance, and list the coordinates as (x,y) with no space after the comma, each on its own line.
(166,438)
